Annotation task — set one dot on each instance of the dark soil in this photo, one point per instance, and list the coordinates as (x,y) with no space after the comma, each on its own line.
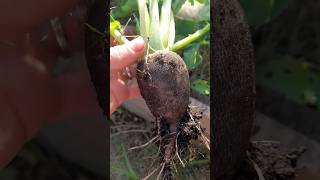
(269,160)
(187,129)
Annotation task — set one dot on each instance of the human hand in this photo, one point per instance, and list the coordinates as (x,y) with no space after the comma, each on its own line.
(30,96)
(121,57)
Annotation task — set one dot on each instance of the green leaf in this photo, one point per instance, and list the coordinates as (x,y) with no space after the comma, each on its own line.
(130,174)
(201,86)
(184,28)
(191,38)
(125,8)
(191,2)
(115,31)
(263,11)
(297,81)
(192,56)
(115,25)
(201,1)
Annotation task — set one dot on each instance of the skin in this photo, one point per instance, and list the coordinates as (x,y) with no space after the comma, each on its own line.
(120,57)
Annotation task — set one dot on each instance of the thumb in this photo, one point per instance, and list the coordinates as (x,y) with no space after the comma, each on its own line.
(125,55)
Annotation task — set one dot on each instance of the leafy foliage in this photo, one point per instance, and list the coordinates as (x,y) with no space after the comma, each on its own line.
(125,8)
(261,12)
(192,55)
(297,80)
(201,86)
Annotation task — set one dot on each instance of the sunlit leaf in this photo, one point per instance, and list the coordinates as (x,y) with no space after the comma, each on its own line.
(124,8)
(192,55)
(201,86)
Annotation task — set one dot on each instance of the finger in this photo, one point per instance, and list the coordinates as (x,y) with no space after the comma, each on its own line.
(113,103)
(127,54)
(133,70)
(112,41)
(119,90)
(134,91)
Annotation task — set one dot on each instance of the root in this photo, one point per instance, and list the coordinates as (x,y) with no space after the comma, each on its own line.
(256,167)
(146,144)
(129,131)
(177,151)
(205,140)
(149,175)
(173,144)
(160,173)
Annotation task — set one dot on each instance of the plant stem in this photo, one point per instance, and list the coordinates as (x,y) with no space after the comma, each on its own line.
(191,38)
(121,39)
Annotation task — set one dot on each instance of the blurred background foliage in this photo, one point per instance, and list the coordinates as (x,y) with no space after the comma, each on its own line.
(286,37)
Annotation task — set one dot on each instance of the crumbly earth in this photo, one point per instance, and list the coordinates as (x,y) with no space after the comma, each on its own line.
(187,129)
(270,160)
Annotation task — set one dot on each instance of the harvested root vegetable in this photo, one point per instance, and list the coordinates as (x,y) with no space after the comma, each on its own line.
(163,80)
(164,83)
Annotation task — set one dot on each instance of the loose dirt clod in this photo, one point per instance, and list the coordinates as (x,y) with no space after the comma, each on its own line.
(269,161)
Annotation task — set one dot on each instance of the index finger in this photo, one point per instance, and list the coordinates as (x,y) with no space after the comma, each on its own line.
(125,55)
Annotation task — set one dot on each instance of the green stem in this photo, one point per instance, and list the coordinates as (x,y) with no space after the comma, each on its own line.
(121,39)
(191,38)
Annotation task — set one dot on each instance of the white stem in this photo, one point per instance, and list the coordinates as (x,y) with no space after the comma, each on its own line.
(165,22)
(144,19)
(154,35)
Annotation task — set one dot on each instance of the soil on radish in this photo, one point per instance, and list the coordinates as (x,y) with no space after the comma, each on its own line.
(163,80)
(164,84)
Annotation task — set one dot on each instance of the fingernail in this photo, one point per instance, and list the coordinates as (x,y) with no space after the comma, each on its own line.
(137,44)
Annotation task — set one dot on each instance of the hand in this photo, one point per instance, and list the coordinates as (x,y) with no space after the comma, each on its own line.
(121,57)
(30,96)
